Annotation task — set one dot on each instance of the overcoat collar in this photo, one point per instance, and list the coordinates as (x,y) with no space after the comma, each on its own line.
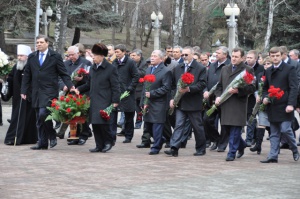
(47,59)
(239,68)
(159,68)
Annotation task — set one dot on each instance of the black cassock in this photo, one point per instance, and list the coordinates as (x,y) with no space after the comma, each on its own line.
(27,131)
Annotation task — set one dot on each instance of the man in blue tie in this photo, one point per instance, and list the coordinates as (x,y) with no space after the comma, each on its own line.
(42,70)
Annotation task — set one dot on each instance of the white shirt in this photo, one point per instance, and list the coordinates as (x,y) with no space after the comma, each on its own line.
(45,53)
(278,65)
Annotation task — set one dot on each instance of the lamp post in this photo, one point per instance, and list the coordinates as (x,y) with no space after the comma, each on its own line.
(231,12)
(45,21)
(156,22)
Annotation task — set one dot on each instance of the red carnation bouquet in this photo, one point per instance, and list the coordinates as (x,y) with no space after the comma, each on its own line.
(185,80)
(147,80)
(81,72)
(257,104)
(274,93)
(105,114)
(241,80)
(69,109)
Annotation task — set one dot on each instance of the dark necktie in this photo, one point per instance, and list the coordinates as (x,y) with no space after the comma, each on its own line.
(152,70)
(41,59)
(233,68)
(186,68)
(120,61)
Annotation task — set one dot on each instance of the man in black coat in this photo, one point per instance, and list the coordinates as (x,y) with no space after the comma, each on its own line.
(281,111)
(104,89)
(190,105)
(251,59)
(141,65)
(73,64)
(209,122)
(128,79)
(158,104)
(42,70)
(23,115)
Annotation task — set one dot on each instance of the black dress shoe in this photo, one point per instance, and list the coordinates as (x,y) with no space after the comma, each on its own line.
(73,142)
(269,161)
(60,136)
(296,156)
(1,124)
(230,158)
(248,144)
(53,143)
(207,145)
(81,141)
(122,133)
(38,148)
(95,150)
(240,153)
(298,144)
(167,145)
(90,134)
(9,120)
(106,148)
(183,145)
(284,146)
(221,150)
(142,145)
(199,153)
(214,146)
(173,152)
(126,141)
(9,143)
(153,153)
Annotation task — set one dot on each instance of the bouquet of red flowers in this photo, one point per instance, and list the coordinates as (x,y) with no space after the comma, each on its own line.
(81,72)
(185,80)
(147,80)
(274,93)
(69,109)
(257,104)
(105,114)
(241,80)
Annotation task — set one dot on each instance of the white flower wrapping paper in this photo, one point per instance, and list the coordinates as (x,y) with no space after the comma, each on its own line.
(3,59)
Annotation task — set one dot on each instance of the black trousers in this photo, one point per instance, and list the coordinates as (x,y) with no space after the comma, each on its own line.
(102,135)
(129,125)
(210,128)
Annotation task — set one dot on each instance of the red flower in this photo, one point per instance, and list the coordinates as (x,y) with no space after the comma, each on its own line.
(78,103)
(104,115)
(67,100)
(57,107)
(248,78)
(54,100)
(68,110)
(263,78)
(61,98)
(53,104)
(141,80)
(187,78)
(81,71)
(149,78)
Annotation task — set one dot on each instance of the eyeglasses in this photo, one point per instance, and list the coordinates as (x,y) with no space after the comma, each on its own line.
(184,55)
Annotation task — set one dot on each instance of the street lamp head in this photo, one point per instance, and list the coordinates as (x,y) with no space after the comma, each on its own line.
(40,11)
(236,10)
(49,11)
(160,16)
(227,10)
(218,43)
(153,16)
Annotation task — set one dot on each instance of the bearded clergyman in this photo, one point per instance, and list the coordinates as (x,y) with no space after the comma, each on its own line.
(23,117)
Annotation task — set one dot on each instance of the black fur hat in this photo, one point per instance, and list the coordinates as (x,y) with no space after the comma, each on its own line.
(100,49)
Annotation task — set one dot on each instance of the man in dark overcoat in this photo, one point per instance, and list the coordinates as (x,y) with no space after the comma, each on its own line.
(190,105)
(234,109)
(128,79)
(23,115)
(42,70)
(104,90)
(220,141)
(73,64)
(281,111)
(158,104)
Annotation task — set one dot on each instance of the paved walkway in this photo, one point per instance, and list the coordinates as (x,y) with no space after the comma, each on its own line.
(128,172)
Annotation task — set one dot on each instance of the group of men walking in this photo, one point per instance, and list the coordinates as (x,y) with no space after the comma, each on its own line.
(113,72)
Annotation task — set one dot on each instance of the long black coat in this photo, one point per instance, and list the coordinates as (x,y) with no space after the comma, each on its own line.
(104,90)
(141,67)
(191,101)
(234,109)
(285,78)
(27,133)
(128,79)
(158,101)
(44,79)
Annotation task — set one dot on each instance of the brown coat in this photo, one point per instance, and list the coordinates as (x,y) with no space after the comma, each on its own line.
(234,109)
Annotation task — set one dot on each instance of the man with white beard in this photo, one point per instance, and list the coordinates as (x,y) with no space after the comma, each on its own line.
(27,131)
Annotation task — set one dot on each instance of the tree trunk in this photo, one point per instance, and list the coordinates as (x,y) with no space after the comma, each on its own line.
(135,24)
(2,39)
(179,13)
(76,37)
(127,26)
(148,36)
(187,26)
